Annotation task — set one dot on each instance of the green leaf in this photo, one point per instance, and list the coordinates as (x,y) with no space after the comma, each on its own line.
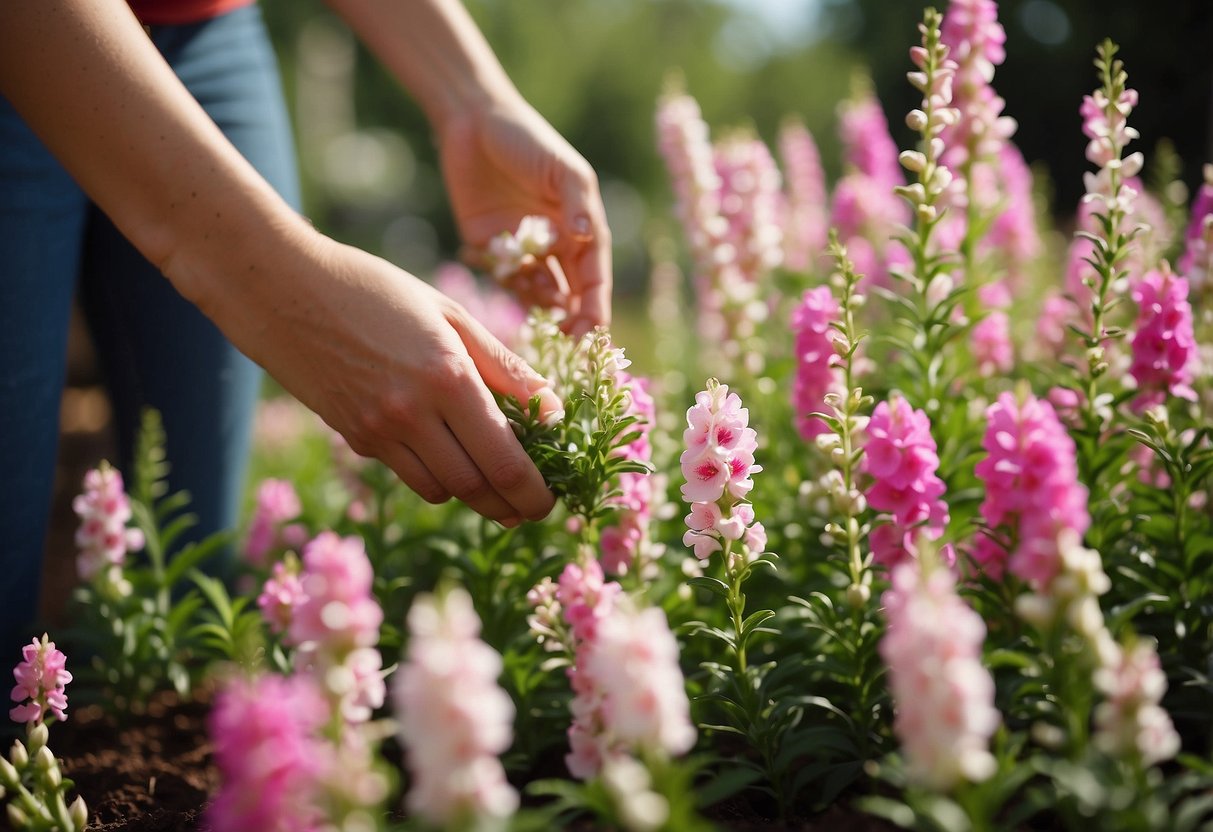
(714,585)
(726,784)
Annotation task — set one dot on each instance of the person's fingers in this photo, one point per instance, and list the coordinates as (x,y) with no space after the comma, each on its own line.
(585,248)
(446,456)
(500,368)
(412,471)
(541,284)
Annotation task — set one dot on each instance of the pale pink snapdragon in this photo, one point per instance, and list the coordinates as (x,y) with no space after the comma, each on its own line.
(1032,489)
(104,510)
(942,694)
(492,306)
(1131,720)
(750,200)
(267,747)
(718,465)
(805,226)
(900,455)
(623,545)
(817,362)
(633,663)
(868,147)
(277,503)
(336,624)
(454,719)
(1164,344)
(509,252)
(42,679)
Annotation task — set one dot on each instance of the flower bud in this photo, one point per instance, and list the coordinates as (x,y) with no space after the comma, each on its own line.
(916,120)
(44,760)
(78,812)
(858,595)
(8,774)
(912,161)
(19,755)
(38,737)
(16,817)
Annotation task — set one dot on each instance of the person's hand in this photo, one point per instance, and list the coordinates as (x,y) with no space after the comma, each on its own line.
(503,162)
(399,370)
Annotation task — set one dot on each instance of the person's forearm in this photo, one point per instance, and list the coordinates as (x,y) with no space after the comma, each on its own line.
(86,78)
(434,49)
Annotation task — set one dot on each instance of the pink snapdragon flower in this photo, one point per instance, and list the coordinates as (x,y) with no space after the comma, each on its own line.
(991,336)
(1131,721)
(509,252)
(281,595)
(943,695)
(454,718)
(277,503)
(1164,345)
(1032,489)
(623,544)
(805,229)
(900,456)
(266,744)
(750,200)
(340,612)
(633,663)
(718,464)
(1196,263)
(868,147)
(817,363)
(104,510)
(42,679)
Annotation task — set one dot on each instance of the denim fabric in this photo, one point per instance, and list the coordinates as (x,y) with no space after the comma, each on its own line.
(155,348)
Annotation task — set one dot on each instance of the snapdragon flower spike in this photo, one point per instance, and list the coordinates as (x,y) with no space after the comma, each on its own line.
(868,147)
(1164,345)
(623,545)
(267,747)
(42,678)
(277,503)
(1131,722)
(718,465)
(817,361)
(900,455)
(454,719)
(1032,489)
(942,694)
(990,337)
(805,221)
(104,511)
(1196,263)
(336,624)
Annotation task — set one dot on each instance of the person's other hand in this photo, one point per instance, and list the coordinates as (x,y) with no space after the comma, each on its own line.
(402,372)
(504,162)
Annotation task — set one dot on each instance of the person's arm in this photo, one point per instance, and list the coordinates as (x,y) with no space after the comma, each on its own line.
(501,160)
(394,366)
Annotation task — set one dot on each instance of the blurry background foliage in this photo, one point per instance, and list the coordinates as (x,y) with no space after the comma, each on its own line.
(595,69)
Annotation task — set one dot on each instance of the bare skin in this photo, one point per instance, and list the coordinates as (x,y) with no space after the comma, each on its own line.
(401,371)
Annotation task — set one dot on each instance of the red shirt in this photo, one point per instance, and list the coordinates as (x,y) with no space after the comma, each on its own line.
(170,12)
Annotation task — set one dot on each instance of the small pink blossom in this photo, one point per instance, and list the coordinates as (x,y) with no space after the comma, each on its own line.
(623,544)
(42,678)
(586,597)
(991,343)
(266,745)
(281,596)
(454,718)
(1032,489)
(104,511)
(806,214)
(339,612)
(817,363)
(277,503)
(1131,721)
(1164,345)
(943,695)
(868,147)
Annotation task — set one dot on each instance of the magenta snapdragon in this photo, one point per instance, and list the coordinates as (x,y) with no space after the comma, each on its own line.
(453,717)
(42,678)
(990,338)
(900,455)
(718,465)
(281,595)
(805,213)
(868,147)
(267,746)
(1196,263)
(104,510)
(277,503)
(817,362)
(943,695)
(1032,489)
(1164,345)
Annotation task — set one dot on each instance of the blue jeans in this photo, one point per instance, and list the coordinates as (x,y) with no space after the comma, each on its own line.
(155,348)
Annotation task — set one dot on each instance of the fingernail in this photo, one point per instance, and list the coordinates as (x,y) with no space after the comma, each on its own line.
(582,230)
(511,522)
(550,404)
